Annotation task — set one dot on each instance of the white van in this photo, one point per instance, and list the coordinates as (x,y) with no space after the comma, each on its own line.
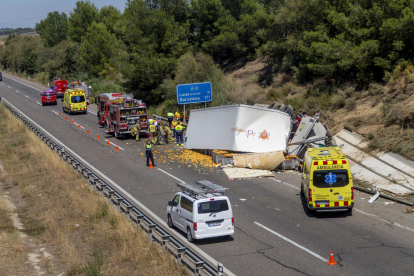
(201,210)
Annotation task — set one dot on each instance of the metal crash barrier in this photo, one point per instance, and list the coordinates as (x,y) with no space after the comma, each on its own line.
(184,255)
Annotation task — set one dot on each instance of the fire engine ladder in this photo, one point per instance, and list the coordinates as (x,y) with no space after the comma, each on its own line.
(202,187)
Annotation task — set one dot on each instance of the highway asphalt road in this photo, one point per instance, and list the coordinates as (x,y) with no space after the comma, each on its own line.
(274,235)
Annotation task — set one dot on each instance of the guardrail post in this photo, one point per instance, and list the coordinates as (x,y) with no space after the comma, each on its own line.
(103,186)
(180,252)
(151,228)
(139,218)
(220,269)
(118,204)
(198,266)
(164,240)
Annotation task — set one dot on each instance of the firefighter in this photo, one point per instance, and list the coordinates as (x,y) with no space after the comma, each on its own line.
(153,131)
(148,152)
(179,140)
(167,132)
(173,125)
(135,131)
(170,116)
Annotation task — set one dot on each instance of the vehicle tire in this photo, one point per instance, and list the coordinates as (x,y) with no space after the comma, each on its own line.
(43,104)
(189,236)
(116,134)
(99,115)
(350,210)
(169,221)
(301,190)
(86,111)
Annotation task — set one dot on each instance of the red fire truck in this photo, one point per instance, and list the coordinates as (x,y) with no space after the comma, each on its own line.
(121,113)
(59,87)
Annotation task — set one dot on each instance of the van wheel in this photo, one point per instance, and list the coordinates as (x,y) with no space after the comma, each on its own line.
(169,221)
(350,210)
(189,236)
(301,189)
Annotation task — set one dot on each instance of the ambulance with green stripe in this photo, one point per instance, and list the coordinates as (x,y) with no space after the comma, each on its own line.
(327,180)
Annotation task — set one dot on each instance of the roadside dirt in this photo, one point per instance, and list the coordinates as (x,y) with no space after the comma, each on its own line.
(53,223)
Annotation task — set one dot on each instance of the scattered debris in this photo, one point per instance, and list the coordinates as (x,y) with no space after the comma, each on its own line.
(243,173)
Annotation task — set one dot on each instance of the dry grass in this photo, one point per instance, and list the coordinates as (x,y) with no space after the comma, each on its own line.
(59,207)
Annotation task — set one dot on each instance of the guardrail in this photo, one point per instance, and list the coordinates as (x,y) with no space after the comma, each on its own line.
(183,254)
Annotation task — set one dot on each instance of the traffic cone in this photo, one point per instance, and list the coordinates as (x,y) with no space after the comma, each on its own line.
(79,126)
(73,122)
(59,113)
(97,135)
(151,167)
(107,143)
(332,260)
(87,131)
(117,149)
(66,118)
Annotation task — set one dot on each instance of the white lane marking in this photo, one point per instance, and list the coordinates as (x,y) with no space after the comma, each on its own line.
(119,188)
(113,144)
(292,242)
(25,84)
(2,83)
(17,91)
(176,178)
(81,126)
(55,112)
(27,96)
(287,184)
(385,220)
(38,103)
(368,214)
(8,86)
(92,112)
(243,199)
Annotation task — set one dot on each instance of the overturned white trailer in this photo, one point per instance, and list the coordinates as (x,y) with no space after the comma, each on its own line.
(240,128)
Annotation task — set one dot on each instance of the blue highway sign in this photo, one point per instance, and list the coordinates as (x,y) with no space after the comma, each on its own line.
(194,93)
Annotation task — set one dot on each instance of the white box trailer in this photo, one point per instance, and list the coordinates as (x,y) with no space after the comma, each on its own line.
(239,128)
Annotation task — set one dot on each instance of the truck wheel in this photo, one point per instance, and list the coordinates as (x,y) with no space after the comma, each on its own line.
(169,221)
(116,134)
(189,236)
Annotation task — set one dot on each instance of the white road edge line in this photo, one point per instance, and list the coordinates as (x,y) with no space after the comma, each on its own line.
(27,96)
(142,206)
(92,112)
(17,91)
(176,178)
(55,112)
(8,86)
(384,220)
(38,103)
(292,242)
(367,214)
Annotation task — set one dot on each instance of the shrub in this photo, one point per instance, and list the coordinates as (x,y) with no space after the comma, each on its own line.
(272,94)
(375,89)
(338,100)
(350,104)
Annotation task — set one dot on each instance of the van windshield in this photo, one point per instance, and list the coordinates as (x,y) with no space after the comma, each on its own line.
(77,99)
(213,206)
(329,179)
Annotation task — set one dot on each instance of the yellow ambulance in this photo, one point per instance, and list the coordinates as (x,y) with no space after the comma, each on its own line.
(74,101)
(327,180)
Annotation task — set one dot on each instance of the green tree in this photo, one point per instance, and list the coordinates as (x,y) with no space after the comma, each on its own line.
(53,28)
(97,48)
(109,15)
(83,15)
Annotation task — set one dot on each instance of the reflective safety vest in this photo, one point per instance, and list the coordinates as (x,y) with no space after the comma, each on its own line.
(170,115)
(177,115)
(148,147)
(152,128)
(174,124)
(179,128)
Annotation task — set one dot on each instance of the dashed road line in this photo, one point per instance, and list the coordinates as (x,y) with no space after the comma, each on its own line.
(17,91)
(176,178)
(292,242)
(365,213)
(38,103)
(55,112)
(27,96)
(8,86)
(92,112)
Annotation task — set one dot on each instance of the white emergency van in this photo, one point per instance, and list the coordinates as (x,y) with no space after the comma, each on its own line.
(201,210)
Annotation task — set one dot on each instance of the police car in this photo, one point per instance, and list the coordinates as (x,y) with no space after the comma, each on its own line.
(201,210)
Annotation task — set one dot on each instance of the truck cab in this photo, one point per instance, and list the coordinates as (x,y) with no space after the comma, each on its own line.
(59,87)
